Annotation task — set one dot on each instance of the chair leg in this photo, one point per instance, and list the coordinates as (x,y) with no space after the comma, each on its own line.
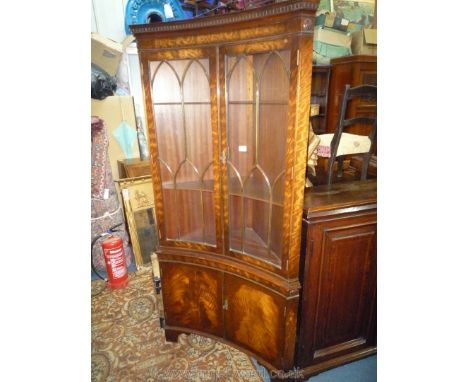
(331,161)
(340,167)
(365,166)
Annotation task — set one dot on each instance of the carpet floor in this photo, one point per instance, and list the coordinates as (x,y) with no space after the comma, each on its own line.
(129,345)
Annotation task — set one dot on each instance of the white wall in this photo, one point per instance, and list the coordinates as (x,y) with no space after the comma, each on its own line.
(108,20)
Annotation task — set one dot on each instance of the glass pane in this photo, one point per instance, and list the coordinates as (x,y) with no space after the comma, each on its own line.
(196,83)
(272,136)
(275,78)
(181,98)
(166,83)
(146,231)
(198,125)
(241,138)
(242,83)
(256,234)
(170,132)
(257,104)
(190,215)
(235,222)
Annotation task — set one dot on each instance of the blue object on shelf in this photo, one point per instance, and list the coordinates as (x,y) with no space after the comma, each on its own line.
(146,11)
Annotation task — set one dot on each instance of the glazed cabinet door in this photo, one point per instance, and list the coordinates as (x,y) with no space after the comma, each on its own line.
(180,96)
(258,103)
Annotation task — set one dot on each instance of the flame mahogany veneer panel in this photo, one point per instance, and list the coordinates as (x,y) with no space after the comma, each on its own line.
(193,297)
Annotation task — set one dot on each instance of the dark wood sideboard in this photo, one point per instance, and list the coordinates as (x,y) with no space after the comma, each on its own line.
(337,312)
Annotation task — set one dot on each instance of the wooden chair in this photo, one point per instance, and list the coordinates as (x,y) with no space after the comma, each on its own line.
(337,145)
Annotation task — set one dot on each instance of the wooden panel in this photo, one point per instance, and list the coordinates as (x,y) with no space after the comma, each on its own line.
(254,318)
(332,200)
(192,297)
(347,269)
(339,288)
(133,168)
(354,70)
(109,18)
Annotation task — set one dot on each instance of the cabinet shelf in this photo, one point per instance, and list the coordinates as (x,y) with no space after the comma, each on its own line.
(281,103)
(180,103)
(195,186)
(192,236)
(190,186)
(253,243)
(258,199)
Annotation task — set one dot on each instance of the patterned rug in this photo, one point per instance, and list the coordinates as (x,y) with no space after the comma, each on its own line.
(128,344)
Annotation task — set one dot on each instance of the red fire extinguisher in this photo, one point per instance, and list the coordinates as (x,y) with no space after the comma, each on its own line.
(114,256)
(116,266)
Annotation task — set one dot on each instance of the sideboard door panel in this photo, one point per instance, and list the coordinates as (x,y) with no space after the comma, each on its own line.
(347,270)
(192,297)
(341,287)
(254,317)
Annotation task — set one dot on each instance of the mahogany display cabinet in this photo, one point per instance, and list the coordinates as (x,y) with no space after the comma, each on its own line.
(227,102)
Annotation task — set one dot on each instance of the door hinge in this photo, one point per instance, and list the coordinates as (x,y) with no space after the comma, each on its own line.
(225,305)
(298,57)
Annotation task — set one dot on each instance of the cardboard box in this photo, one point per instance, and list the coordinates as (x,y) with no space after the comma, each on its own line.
(354,27)
(330,43)
(314,109)
(365,42)
(106,53)
(332,37)
(340,24)
(326,19)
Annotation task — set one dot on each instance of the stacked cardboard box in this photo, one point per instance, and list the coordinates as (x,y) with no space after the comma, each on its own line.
(337,37)
(330,43)
(365,42)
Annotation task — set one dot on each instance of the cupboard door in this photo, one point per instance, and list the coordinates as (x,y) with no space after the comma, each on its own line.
(339,291)
(254,317)
(183,127)
(257,81)
(192,297)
